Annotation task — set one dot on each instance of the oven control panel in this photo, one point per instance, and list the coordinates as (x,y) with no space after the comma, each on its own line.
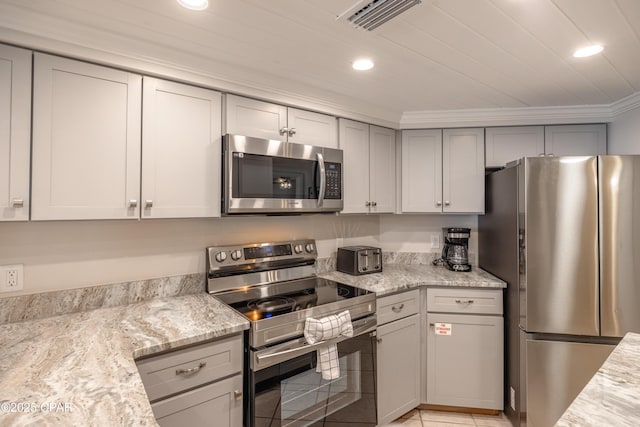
(239,255)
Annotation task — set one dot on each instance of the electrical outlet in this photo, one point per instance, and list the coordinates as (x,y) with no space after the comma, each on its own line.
(512,398)
(435,241)
(11,278)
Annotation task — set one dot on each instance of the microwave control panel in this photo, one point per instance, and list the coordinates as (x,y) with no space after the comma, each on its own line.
(333,174)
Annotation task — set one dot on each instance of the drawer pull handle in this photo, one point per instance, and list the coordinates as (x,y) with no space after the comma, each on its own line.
(397,309)
(237,395)
(469,301)
(191,371)
(17,203)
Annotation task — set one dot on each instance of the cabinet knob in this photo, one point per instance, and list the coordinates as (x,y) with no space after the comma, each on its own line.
(379,340)
(367,203)
(17,203)
(439,203)
(374,204)
(148,203)
(284,131)
(292,131)
(133,203)
(447,203)
(237,395)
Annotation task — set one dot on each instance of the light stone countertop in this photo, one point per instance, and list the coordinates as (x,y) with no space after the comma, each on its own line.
(400,277)
(612,396)
(86,360)
(84,363)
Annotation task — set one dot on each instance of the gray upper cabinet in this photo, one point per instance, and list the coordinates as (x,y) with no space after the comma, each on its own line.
(575,140)
(15,132)
(86,141)
(260,119)
(505,144)
(443,171)
(181,150)
(369,167)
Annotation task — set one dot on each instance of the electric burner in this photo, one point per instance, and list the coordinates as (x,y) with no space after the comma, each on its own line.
(271,300)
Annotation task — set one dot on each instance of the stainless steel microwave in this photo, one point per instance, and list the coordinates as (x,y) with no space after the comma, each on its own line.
(273,177)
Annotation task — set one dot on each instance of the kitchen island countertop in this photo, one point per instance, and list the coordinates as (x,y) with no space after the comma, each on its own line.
(402,277)
(610,398)
(79,369)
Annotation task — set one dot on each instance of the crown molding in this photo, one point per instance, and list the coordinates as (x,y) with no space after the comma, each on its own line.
(506,116)
(231,80)
(520,116)
(625,104)
(227,78)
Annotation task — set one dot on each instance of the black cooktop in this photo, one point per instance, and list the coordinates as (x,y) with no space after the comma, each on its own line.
(267,301)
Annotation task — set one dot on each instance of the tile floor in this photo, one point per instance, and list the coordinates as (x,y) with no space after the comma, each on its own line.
(429,418)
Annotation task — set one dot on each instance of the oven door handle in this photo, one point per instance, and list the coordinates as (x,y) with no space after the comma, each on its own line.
(274,355)
(323,179)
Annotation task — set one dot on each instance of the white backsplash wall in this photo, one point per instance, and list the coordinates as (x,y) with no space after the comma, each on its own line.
(61,255)
(412,233)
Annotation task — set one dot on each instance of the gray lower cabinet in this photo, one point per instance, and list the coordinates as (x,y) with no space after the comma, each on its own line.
(465,360)
(194,385)
(398,355)
(199,407)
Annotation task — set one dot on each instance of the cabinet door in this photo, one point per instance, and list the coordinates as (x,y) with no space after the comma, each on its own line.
(398,368)
(354,141)
(465,360)
(15,132)
(382,169)
(505,144)
(575,140)
(307,127)
(86,141)
(422,170)
(463,170)
(250,117)
(181,150)
(218,404)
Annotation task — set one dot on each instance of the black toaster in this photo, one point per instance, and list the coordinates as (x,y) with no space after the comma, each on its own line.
(357,260)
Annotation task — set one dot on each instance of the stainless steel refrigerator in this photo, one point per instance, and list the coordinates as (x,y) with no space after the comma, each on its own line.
(564,233)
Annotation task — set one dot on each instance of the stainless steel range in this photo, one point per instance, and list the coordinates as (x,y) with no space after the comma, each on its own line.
(274,285)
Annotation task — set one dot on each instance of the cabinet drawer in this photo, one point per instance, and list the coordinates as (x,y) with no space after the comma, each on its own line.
(218,404)
(179,370)
(397,306)
(457,300)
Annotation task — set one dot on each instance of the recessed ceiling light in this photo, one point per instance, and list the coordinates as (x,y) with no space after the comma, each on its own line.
(362,64)
(194,4)
(588,51)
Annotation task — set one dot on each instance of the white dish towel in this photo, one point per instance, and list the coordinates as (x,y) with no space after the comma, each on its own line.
(318,330)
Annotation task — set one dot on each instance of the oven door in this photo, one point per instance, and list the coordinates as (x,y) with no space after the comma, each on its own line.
(291,392)
(268,176)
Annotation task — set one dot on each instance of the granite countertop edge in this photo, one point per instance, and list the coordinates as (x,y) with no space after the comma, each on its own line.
(87,360)
(611,396)
(399,277)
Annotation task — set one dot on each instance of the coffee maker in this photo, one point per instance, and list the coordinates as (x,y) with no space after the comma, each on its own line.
(455,252)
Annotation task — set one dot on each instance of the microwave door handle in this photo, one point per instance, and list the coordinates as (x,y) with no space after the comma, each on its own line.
(323,179)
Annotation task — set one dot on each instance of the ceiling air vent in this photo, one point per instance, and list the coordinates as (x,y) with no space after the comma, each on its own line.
(378,12)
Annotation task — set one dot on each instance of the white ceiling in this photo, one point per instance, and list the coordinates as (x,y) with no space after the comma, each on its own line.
(440,55)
